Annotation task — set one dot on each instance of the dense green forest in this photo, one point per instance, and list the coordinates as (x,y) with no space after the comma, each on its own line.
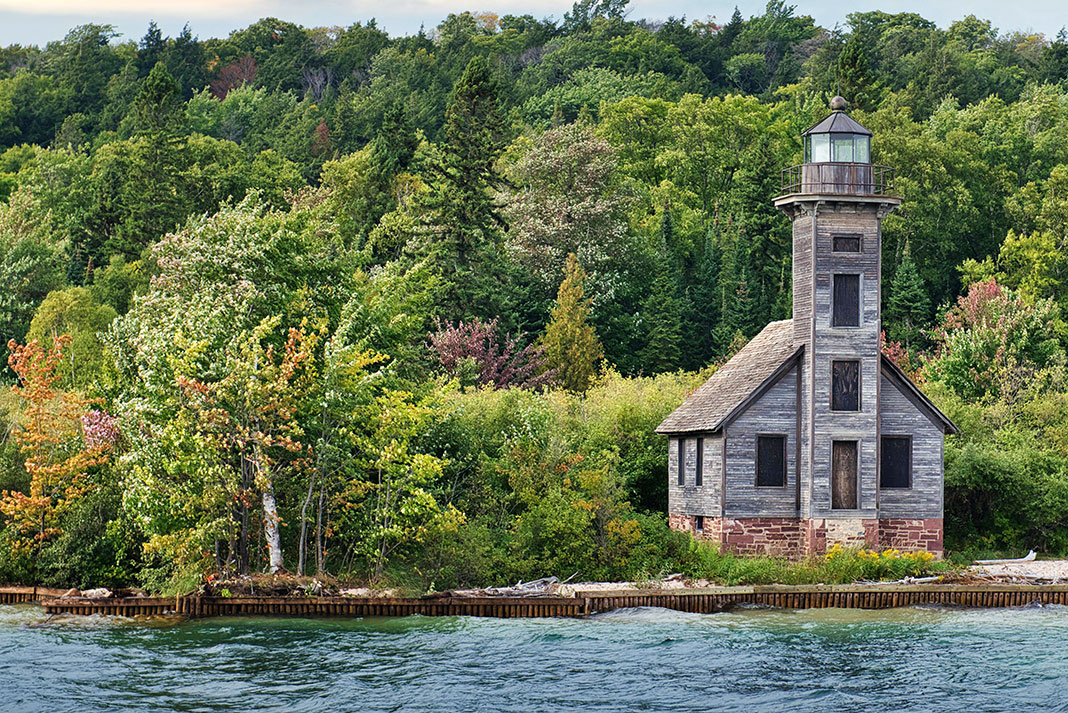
(408,309)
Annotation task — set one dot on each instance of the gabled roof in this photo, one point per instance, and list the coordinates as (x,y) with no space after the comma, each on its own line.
(838,121)
(737,383)
(912,392)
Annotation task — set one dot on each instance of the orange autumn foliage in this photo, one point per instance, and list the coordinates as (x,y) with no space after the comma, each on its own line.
(50,436)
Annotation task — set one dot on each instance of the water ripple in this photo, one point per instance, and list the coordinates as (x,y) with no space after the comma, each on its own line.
(919,659)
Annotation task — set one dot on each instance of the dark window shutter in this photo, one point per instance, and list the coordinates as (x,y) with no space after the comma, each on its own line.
(699,467)
(895,469)
(771,461)
(846,243)
(846,301)
(680,448)
(845,386)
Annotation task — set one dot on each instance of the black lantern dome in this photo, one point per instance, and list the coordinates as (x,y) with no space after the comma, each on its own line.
(837,139)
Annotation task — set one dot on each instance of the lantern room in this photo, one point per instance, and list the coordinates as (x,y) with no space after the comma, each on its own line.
(837,139)
(837,159)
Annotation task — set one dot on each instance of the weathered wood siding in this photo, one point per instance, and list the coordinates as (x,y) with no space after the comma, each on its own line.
(691,499)
(899,417)
(802,277)
(774,414)
(829,343)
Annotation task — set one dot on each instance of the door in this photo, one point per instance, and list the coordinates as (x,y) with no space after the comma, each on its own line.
(844,475)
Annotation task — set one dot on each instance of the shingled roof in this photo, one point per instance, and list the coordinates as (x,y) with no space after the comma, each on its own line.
(729,388)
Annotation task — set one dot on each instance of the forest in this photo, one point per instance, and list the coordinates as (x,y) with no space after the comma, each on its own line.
(407,310)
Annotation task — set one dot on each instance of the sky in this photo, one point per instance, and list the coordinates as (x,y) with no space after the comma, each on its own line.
(38,21)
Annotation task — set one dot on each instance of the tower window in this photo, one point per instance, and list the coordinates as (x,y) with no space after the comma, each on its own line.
(846,312)
(846,243)
(895,463)
(771,461)
(699,523)
(845,385)
(699,469)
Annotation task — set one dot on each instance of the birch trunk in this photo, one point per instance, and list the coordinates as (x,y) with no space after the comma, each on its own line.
(270,530)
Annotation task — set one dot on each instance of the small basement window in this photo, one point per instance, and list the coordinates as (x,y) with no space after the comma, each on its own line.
(895,469)
(846,301)
(699,523)
(845,385)
(699,467)
(771,461)
(845,243)
(680,450)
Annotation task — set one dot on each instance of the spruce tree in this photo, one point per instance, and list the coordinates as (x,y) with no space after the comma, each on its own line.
(763,230)
(908,308)
(466,227)
(704,306)
(662,309)
(570,342)
(740,310)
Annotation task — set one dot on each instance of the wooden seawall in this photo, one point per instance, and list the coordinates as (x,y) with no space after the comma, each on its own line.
(19,595)
(694,600)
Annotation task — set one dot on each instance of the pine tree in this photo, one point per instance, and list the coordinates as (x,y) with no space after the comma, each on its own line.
(150,49)
(662,309)
(705,306)
(762,229)
(908,308)
(571,344)
(466,226)
(158,108)
(740,312)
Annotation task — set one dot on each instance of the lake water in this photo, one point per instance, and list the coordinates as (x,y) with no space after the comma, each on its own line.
(919,659)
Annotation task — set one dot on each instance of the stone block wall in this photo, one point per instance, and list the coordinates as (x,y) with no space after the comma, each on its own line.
(796,538)
(912,535)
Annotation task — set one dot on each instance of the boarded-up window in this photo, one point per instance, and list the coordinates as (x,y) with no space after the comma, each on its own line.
(680,449)
(699,468)
(844,475)
(846,301)
(845,385)
(771,461)
(846,243)
(895,468)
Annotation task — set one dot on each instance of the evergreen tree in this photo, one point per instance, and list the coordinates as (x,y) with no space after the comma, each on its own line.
(396,142)
(150,49)
(763,230)
(740,311)
(705,306)
(466,227)
(571,344)
(158,109)
(909,308)
(662,310)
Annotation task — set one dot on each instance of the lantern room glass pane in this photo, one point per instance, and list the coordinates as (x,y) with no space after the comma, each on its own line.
(821,148)
(808,149)
(843,147)
(862,149)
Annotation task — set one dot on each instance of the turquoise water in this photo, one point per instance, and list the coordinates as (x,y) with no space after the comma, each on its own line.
(920,659)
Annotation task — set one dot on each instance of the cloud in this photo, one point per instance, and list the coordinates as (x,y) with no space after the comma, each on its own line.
(140,7)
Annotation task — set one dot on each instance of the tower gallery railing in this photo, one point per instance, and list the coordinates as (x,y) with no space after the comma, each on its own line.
(852,178)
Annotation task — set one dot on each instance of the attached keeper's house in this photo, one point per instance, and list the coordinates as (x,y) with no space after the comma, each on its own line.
(809,436)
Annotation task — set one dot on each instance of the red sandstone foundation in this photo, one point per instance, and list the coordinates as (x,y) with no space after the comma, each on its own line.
(795,538)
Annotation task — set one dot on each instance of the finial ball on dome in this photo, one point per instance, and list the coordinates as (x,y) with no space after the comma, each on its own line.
(838,104)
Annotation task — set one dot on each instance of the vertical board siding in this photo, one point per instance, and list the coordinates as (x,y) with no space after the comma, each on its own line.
(690,499)
(832,343)
(899,417)
(773,414)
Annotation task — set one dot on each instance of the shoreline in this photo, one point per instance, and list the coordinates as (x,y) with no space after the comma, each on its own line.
(694,600)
